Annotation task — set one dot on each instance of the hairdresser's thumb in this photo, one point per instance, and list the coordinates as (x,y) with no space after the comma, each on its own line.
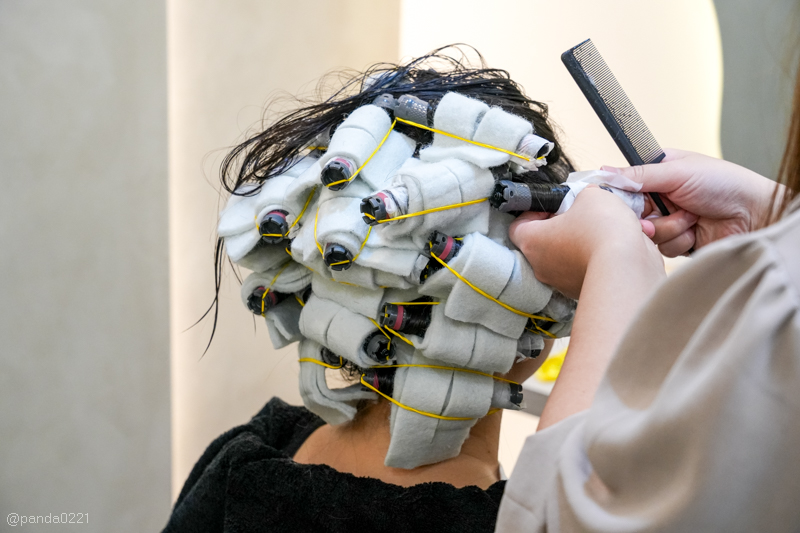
(659,177)
(524,226)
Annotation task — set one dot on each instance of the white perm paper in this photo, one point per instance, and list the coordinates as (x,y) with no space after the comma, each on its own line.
(625,189)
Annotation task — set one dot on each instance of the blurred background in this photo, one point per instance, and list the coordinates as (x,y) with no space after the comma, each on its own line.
(114,117)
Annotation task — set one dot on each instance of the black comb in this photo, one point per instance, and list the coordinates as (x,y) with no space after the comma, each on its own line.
(613,107)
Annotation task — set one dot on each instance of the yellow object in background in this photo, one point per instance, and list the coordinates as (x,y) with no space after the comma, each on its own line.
(551,367)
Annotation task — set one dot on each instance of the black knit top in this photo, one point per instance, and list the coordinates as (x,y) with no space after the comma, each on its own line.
(246,481)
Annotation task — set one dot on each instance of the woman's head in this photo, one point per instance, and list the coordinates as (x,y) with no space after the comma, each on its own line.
(365,220)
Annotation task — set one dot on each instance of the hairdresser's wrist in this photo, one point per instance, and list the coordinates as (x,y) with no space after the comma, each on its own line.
(630,255)
(627,251)
(619,278)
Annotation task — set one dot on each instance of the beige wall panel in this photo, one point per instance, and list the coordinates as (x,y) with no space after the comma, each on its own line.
(84,338)
(225,60)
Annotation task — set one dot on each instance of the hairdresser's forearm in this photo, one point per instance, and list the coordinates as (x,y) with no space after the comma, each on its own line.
(618,281)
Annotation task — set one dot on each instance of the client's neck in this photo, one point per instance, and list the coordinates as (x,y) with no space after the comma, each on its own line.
(359,448)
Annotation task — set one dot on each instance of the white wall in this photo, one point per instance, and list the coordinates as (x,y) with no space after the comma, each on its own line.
(84,349)
(666,56)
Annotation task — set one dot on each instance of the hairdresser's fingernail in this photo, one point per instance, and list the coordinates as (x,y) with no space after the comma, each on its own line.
(648,228)
(614,170)
(653,215)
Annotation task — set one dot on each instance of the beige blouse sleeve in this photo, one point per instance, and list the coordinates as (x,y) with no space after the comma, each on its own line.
(696,425)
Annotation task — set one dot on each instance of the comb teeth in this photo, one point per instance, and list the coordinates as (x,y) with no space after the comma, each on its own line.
(612,105)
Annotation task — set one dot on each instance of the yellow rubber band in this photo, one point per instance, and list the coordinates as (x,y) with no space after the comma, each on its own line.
(369,231)
(316,147)
(435,367)
(302,211)
(319,247)
(321,363)
(266,291)
(413,303)
(353,260)
(433,415)
(426,211)
(299,300)
(392,331)
(400,336)
(379,327)
(315,272)
(476,143)
(407,408)
(296,220)
(375,151)
(540,330)
(389,344)
(438,367)
(485,295)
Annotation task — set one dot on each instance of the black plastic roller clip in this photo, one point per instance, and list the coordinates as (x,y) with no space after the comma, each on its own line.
(516,394)
(273,227)
(337,257)
(379,348)
(375,207)
(443,246)
(337,173)
(258,300)
(329,357)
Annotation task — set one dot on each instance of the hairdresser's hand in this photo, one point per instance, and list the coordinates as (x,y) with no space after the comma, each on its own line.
(596,250)
(709,199)
(598,229)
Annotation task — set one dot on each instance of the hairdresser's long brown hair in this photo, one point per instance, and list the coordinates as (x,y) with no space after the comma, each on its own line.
(789,172)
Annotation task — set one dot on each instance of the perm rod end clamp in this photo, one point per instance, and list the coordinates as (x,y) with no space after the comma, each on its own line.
(378,348)
(386,102)
(516,394)
(257,298)
(273,227)
(509,196)
(375,207)
(337,257)
(329,357)
(443,246)
(337,173)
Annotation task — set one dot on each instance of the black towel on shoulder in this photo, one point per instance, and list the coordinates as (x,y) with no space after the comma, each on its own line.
(246,481)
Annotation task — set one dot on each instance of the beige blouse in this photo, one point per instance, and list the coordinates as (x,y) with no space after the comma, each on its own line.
(696,425)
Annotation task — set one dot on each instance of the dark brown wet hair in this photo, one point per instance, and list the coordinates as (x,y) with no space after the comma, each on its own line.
(789,172)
